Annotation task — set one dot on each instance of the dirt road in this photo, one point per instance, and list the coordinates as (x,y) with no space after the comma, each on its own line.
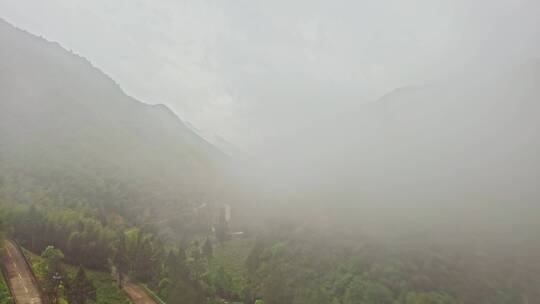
(19,276)
(137,294)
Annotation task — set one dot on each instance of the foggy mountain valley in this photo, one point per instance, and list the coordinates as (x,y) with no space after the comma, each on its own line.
(270,153)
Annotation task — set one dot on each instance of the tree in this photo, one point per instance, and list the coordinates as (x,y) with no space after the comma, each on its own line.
(121,259)
(314,294)
(54,274)
(275,289)
(207,249)
(185,292)
(222,283)
(253,259)
(222,226)
(181,252)
(144,263)
(368,292)
(31,223)
(81,289)
(171,265)
(197,264)
(5,296)
(175,267)
(195,250)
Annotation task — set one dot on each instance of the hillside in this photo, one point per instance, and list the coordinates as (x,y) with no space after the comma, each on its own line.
(68,130)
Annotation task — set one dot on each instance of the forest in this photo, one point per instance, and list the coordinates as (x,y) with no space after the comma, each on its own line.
(426,195)
(279,266)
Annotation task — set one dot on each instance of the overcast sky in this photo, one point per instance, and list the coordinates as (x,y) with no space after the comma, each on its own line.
(251,71)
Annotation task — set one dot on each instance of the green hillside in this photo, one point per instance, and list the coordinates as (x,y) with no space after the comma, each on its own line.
(106,287)
(70,135)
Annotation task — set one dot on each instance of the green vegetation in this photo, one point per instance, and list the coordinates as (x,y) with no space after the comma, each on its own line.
(81,290)
(138,252)
(92,186)
(306,267)
(277,267)
(231,257)
(107,291)
(5,296)
(54,279)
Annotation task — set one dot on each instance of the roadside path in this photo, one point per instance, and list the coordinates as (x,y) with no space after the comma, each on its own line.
(137,294)
(19,276)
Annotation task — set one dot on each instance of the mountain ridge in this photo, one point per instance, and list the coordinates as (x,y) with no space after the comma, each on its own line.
(66,125)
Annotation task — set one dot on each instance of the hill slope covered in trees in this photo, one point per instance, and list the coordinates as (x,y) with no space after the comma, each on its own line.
(68,133)
(106,179)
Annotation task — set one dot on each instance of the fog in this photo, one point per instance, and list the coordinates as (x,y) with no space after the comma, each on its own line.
(270,152)
(248,73)
(423,105)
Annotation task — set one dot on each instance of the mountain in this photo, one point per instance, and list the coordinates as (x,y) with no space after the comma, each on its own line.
(461,141)
(457,154)
(70,134)
(471,142)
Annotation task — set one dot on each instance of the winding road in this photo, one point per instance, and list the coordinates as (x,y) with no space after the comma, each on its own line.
(23,287)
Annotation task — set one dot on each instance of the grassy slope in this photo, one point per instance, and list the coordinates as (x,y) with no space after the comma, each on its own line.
(107,292)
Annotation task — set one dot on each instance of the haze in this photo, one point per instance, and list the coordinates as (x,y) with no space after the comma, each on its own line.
(278,152)
(232,69)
